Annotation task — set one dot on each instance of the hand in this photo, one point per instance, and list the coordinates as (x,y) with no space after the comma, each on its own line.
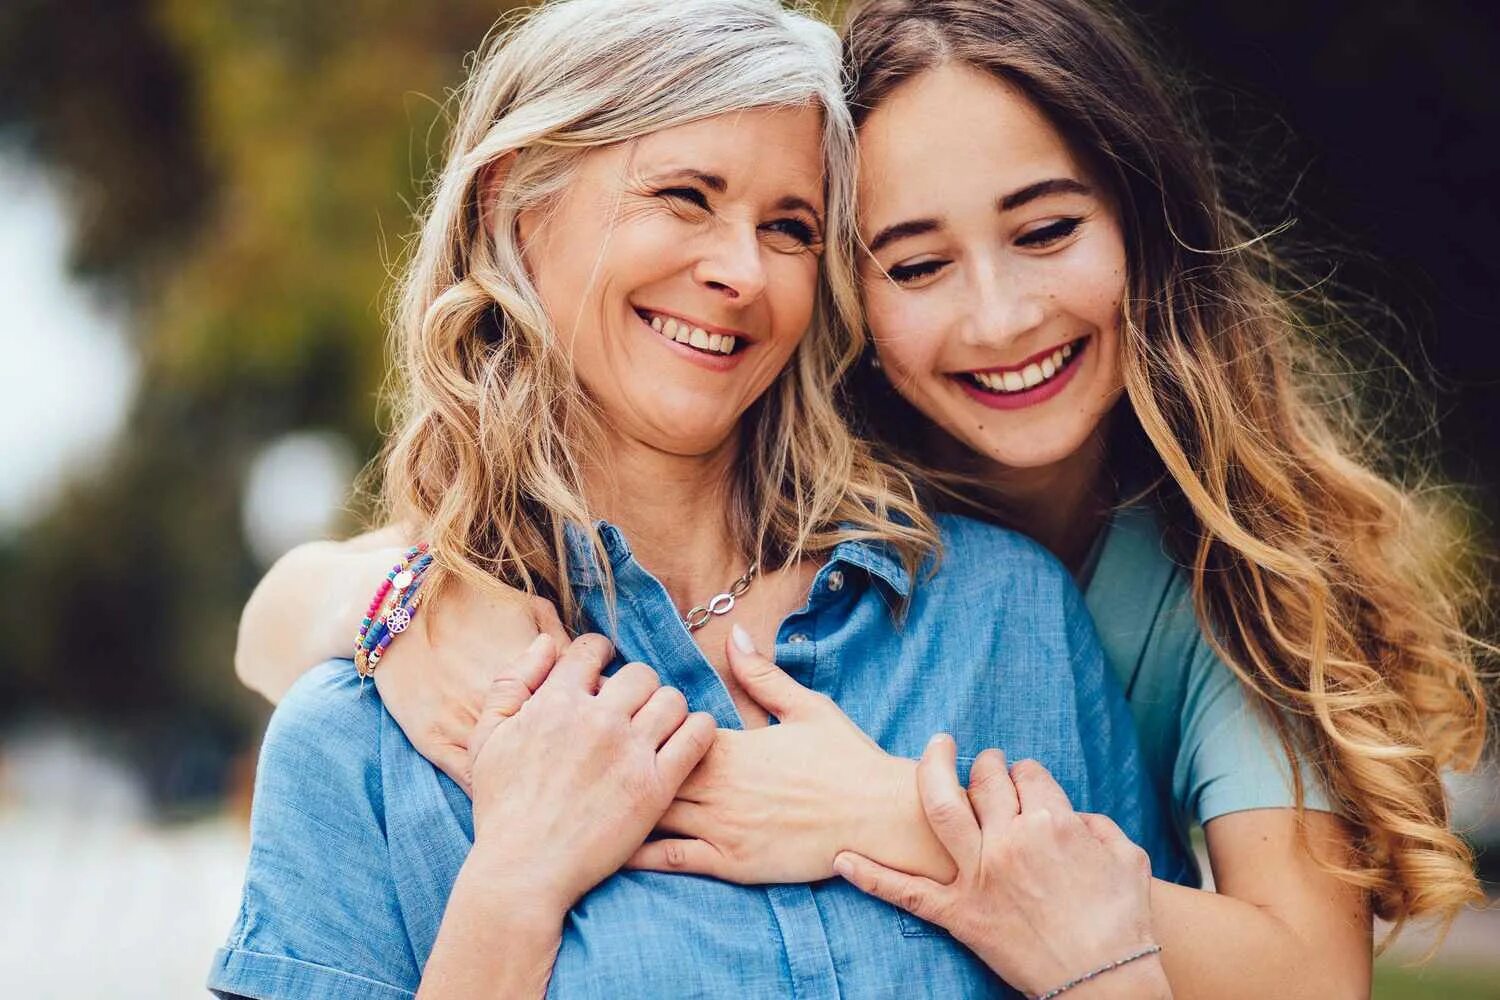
(1043,893)
(568,782)
(776,804)
(433,680)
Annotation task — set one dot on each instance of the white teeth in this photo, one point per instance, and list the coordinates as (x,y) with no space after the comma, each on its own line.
(1029,377)
(696,337)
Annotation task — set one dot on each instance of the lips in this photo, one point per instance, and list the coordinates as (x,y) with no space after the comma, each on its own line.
(683,332)
(1033,381)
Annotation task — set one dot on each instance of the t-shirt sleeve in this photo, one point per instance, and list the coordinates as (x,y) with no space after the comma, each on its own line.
(1118,783)
(1230,757)
(319,918)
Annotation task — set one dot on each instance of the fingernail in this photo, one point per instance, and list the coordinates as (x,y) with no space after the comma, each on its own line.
(843,866)
(742,639)
(938,738)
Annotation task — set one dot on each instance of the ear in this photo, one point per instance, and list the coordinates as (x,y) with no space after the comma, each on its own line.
(491,185)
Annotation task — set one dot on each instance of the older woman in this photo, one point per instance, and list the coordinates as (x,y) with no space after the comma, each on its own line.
(617,351)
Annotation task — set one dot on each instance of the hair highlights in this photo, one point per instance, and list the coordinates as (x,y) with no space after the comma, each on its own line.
(1335,593)
(494,432)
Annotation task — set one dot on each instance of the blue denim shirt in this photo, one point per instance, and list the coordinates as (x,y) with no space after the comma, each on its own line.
(357,840)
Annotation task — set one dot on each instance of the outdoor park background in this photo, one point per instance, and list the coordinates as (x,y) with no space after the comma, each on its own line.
(199,200)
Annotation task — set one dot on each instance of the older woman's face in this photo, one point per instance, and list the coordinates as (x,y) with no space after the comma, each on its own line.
(682,270)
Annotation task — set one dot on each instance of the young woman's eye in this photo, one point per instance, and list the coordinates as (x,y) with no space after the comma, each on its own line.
(691,195)
(1049,234)
(798,230)
(903,274)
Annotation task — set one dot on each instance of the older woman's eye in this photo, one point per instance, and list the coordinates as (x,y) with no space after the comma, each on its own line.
(804,234)
(691,195)
(1050,233)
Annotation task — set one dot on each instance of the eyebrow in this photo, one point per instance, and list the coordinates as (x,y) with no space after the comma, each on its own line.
(1029,193)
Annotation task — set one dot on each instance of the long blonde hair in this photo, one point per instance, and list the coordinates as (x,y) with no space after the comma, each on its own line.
(1337,595)
(494,431)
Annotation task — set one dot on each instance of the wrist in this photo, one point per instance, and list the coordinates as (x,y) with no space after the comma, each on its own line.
(534,899)
(893,828)
(1143,979)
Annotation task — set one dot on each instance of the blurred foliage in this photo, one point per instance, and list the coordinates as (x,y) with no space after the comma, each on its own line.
(242,174)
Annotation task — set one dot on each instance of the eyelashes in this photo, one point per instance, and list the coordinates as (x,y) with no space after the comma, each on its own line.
(1040,238)
(1050,233)
(801,232)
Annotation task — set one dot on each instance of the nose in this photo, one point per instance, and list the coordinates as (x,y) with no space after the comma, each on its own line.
(733,266)
(1001,307)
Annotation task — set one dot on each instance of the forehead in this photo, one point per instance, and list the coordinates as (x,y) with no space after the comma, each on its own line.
(952,128)
(762,151)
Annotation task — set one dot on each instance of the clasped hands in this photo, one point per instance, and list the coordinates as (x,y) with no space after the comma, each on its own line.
(1038,891)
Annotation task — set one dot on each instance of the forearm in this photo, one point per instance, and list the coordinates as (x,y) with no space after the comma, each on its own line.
(488,946)
(306,610)
(1216,946)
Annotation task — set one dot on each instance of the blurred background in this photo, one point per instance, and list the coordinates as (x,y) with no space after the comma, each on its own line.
(200,202)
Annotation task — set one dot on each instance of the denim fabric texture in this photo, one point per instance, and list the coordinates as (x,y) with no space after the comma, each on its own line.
(357,840)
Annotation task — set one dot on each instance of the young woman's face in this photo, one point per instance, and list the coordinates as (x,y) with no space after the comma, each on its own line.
(682,270)
(994,286)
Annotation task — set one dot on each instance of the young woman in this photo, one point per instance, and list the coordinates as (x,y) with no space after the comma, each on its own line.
(613,314)
(1076,336)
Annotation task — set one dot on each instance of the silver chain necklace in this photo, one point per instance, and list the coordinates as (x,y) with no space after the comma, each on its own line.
(721,604)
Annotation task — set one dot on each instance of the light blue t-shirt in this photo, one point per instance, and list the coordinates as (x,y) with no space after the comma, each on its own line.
(356,839)
(1208,750)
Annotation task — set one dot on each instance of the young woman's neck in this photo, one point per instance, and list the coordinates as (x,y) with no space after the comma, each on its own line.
(674,511)
(1063,505)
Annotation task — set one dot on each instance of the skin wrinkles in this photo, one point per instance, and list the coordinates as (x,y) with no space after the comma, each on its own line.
(615,242)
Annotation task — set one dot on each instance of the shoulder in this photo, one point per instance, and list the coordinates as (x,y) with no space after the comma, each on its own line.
(988,553)
(328,715)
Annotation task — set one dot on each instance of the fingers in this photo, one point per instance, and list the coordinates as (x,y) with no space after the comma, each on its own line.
(659,718)
(690,857)
(686,747)
(772,688)
(912,893)
(630,688)
(544,613)
(582,661)
(992,793)
(945,802)
(1036,789)
(508,692)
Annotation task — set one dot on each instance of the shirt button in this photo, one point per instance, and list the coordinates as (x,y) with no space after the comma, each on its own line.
(797,637)
(836,581)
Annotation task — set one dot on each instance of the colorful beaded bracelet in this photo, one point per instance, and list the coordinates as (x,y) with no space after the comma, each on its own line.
(400,582)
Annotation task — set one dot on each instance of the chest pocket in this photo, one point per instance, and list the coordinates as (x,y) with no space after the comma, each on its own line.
(915,926)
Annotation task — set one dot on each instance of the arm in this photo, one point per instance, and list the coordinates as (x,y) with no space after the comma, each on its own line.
(1278,925)
(306,609)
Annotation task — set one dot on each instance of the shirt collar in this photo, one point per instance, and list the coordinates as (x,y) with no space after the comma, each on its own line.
(873,556)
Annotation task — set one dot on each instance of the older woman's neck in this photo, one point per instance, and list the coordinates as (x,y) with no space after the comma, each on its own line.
(674,511)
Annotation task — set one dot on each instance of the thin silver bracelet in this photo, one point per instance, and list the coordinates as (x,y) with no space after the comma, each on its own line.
(1065,987)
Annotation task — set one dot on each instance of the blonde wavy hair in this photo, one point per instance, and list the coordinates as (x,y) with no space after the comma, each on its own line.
(493,431)
(1344,601)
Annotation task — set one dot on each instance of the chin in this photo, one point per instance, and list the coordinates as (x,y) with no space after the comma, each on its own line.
(1018,453)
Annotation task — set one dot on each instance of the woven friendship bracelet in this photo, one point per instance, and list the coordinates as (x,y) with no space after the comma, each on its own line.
(1065,987)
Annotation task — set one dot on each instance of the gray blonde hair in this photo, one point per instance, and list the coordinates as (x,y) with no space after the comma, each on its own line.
(493,429)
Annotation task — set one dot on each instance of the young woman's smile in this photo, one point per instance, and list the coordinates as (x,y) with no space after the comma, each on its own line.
(995,268)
